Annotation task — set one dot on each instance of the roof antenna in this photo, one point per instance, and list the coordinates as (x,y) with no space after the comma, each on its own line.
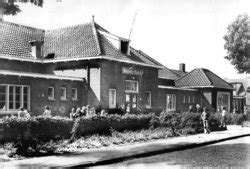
(132,24)
(93,18)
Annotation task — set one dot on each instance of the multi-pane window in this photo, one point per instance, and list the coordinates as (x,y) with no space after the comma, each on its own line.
(112,98)
(3,98)
(223,100)
(184,99)
(51,93)
(12,97)
(63,94)
(189,99)
(74,94)
(171,102)
(148,99)
(131,86)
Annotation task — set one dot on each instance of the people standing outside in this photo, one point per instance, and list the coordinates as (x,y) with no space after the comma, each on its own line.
(223,117)
(72,113)
(21,113)
(190,109)
(204,117)
(47,112)
(198,108)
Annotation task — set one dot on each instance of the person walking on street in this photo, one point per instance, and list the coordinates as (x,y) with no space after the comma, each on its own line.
(204,117)
(223,117)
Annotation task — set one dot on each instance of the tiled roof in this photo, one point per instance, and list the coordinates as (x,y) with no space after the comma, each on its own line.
(202,78)
(172,74)
(14,39)
(79,41)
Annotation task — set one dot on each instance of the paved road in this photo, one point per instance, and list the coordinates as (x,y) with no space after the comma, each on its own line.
(233,153)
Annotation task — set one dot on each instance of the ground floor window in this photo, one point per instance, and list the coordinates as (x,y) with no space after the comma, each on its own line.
(171,102)
(74,94)
(148,99)
(63,93)
(112,98)
(51,93)
(223,100)
(12,97)
(131,86)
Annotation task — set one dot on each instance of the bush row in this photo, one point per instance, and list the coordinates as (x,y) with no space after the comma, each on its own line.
(44,128)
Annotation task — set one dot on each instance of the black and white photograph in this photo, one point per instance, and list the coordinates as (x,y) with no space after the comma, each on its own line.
(124,84)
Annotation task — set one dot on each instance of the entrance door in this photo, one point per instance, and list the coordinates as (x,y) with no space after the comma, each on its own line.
(131,102)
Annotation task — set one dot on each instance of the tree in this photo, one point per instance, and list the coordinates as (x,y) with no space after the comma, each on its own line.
(11,8)
(236,44)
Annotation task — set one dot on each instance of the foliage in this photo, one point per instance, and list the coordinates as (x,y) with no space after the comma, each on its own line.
(41,128)
(236,44)
(102,124)
(11,8)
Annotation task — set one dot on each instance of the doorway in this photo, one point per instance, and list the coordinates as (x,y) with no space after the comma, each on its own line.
(131,102)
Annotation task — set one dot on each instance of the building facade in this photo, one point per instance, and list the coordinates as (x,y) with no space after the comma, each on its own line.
(85,64)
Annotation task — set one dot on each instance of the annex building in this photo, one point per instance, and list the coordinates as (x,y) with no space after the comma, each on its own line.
(86,64)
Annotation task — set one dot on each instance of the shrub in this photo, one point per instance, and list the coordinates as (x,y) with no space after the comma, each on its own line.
(102,124)
(41,128)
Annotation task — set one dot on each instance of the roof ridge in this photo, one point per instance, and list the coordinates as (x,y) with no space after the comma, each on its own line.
(25,26)
(220,78)
(203,71)
(96,37)
(185,75)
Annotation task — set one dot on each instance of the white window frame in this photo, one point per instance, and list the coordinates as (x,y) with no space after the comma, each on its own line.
(7,100)
(189,99)
(173,97)
(111,106)
(53,93)
(217,97)
(76,92)
(150,99)
(131,91)
(63,97)
(184,99)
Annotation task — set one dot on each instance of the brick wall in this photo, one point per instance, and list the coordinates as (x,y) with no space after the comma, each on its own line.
(39,94)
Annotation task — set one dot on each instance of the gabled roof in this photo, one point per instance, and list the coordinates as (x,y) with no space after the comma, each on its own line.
(84,41)
(171,74)
(202,78)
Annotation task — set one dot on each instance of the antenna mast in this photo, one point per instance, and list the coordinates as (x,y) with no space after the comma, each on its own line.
(132,24)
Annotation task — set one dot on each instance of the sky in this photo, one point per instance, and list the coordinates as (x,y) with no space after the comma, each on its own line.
(170,31)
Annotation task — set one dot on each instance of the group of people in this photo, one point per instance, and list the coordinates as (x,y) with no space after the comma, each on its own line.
(205,119)
(23,113)
(86,111)
(196,109)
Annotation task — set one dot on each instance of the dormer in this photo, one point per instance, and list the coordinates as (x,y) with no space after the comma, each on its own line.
(124,46)
(36,49)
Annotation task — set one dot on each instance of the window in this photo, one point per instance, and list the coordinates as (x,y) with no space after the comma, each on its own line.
(63,94)
(171,102)
(131,86)
(223,100)
(184,99)
(148,99)
(33,49)
(112,98)
(12,97)
(124,47)
(51,93)
(193,99)
(74,94)
(189,99)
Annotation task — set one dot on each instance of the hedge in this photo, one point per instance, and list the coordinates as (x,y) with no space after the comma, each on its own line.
(45,128)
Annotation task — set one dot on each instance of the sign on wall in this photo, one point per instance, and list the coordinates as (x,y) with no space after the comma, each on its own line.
(132,71)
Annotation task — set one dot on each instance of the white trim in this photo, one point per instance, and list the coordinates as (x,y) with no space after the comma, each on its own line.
(107,57)
(150,100)
(38,75)
(7,100)
(64,98)
(217,97)
(74,98)
(175,88)
(173,97)
(53,93)
(110,104)
(206,87)
(137,86)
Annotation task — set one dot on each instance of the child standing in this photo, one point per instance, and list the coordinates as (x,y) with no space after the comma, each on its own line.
(204,117)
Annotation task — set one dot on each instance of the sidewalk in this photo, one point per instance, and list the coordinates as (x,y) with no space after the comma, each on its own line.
(120,153)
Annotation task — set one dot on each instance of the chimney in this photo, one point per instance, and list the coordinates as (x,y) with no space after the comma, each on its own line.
(182,67)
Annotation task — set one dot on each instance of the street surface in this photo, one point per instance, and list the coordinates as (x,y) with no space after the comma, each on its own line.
(232,153)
